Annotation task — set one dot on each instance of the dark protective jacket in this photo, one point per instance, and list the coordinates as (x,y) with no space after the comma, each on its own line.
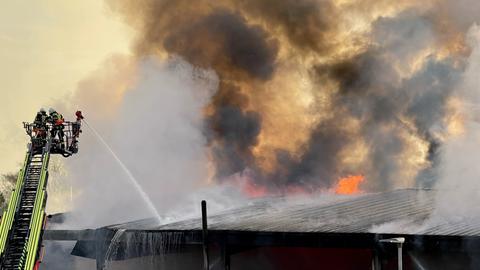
(40,119)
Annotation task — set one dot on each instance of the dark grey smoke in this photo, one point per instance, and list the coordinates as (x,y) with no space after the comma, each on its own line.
(235,133)
(377,86)
(318,161)
(430,90)
(306,23)
(224,40)
(375,93)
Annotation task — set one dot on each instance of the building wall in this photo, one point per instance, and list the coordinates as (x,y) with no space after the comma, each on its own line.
(282,258)
(265,258)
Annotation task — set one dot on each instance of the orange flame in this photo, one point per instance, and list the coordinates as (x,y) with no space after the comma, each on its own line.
(349,185)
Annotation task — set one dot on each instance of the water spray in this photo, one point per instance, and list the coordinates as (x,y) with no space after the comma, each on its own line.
(113,248)
(130,176)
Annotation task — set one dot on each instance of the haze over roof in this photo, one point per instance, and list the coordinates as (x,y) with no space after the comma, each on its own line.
(403,211)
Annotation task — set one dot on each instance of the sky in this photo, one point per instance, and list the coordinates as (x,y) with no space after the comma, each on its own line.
(46,48)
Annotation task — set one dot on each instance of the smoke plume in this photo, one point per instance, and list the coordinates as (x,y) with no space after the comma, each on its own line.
(313,90)
(458,172)
(151,115)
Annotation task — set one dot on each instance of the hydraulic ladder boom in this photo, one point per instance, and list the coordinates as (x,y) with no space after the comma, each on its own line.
(23,221)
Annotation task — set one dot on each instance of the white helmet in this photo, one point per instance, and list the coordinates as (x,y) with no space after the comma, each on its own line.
(42,110)
(51,110)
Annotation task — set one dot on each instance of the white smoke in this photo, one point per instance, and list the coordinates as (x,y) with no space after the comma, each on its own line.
(157,132)
(458,187)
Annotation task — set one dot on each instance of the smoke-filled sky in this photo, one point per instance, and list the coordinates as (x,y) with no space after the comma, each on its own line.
(283,96)
(311,91)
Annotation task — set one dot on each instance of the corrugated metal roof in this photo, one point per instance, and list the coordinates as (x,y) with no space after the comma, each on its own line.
(400,212)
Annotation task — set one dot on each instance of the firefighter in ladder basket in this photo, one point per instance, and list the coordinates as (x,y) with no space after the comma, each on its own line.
(57,121)
(76,130)
(40,124)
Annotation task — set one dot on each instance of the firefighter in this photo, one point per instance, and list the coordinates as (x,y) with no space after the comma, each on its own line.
(57,120)
(40,123)
(76,132)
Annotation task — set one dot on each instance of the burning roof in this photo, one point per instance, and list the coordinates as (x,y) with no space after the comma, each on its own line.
(351,222)
(397,212)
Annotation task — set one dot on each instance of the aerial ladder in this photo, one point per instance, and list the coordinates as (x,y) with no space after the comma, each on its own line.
(23,221)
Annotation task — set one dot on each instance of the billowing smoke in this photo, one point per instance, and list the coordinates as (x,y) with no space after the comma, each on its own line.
(313,90)
(457,185)
(284,95)
(151,115)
